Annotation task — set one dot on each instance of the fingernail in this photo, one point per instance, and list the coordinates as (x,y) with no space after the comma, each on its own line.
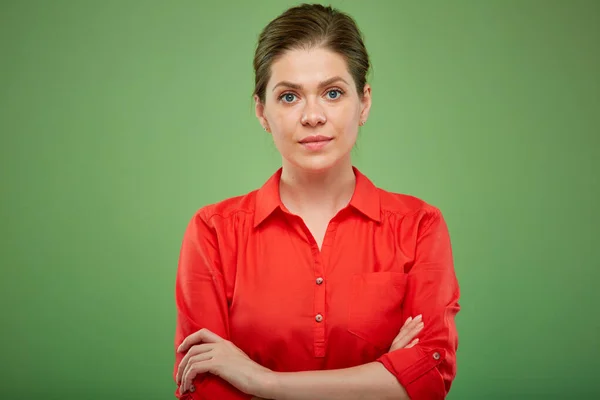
(418,317)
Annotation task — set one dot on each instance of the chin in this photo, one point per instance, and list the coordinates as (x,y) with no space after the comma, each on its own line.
(316,164)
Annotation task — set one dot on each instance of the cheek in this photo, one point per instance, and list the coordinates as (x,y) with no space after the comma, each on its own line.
(281,139)
(346,120)
(282,119)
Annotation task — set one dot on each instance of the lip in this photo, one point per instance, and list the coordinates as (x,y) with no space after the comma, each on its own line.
(315,142)
(315,138)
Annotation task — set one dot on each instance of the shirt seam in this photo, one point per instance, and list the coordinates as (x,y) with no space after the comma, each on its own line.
(228,216)
(435,212)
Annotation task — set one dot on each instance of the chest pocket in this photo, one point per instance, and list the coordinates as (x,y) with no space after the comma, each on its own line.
(375,307)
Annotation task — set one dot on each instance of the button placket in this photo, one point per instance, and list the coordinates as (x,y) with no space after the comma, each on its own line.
(320,258)
(319,307)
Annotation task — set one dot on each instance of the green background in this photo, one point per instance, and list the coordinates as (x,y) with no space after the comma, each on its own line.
(119,119)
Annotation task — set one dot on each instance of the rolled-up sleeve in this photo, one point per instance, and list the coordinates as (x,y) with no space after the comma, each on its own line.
(201,303)
(426,371)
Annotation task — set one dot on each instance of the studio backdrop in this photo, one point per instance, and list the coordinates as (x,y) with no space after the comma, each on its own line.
(120,119)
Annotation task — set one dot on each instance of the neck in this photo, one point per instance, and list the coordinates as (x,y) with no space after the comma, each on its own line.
(327,192)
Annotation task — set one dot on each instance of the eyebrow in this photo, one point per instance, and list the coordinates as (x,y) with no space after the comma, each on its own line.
(322,84)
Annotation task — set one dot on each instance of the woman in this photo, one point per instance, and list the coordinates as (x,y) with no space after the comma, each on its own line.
(318,285)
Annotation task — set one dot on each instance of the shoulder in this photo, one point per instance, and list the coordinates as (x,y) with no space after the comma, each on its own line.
(413,217)
(228,208)
(403,205)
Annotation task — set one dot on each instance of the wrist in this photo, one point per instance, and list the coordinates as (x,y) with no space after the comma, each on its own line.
(267,388)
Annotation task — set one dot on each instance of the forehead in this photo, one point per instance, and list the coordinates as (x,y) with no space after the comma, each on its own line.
(308,67)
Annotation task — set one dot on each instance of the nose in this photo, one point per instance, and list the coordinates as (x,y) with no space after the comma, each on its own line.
(313,114)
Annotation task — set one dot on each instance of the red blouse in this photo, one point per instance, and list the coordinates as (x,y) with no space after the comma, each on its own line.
(250,271)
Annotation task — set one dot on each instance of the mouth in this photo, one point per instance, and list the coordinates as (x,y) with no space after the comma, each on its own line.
(316,139)
(315,142)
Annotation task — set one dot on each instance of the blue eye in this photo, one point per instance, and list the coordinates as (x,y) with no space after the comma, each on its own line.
(288,97)
(334,94)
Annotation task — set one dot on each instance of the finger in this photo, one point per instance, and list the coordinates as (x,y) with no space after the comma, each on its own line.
(411,321)
(403,342)
(417,328)
(194,350)
(203,335)
(408,333)
(411,325)
(398,343)
(192,370)
(411,344)
(411,333)
(408,327)
(201,357)
(192,363)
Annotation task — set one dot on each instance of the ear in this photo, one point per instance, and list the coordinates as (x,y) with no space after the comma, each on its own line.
(259,110)
(365,106)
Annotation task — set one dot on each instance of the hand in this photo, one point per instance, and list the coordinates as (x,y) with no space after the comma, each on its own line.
(208,352)
(406,338)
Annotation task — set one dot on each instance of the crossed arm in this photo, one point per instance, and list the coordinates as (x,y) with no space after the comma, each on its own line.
(423,371)
(368,381)
(207,352)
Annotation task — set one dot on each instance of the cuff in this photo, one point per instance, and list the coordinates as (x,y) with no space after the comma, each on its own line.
(416,370)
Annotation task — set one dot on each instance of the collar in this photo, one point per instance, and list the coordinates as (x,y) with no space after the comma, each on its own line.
(365,198)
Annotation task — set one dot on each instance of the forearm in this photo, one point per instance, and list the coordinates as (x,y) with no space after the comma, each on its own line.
(368,381)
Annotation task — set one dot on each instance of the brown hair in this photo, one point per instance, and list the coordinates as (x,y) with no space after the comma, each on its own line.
(306,26)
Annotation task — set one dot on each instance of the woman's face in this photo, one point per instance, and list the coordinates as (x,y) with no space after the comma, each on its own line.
(312,109)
